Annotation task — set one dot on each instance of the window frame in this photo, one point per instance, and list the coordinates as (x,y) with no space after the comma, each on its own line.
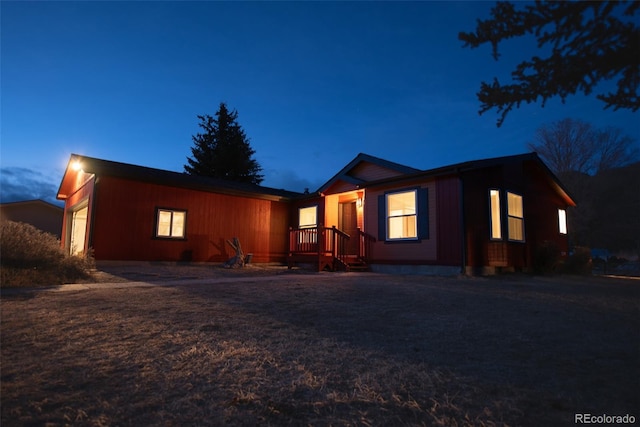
(309,236)
(300,225)
(422,215)
(562,221)
(414,215)
(172,211)
(495,210)
(520,219)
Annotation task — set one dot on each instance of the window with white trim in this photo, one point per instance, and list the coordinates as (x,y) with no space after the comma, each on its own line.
(308,217)
(402,221)
(562,221)
(170,223)
(515,217)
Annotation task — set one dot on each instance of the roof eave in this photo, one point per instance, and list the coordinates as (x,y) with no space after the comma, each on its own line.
(99,167)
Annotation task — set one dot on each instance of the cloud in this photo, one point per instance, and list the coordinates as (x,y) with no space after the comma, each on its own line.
(288,180)
(18,184)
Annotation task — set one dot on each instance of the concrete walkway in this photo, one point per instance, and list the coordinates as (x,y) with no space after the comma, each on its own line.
(121,275)
(182,282)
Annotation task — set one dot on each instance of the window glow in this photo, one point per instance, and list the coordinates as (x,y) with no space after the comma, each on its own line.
(496,225)
(562,221)
(177,225)
(308,217)
(402,221)
(515,217)
(78,231)
(171,223)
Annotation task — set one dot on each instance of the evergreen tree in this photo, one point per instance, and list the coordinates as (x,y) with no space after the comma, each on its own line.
(222,150)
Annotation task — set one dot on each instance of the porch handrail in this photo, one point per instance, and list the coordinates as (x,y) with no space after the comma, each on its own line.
(365,243)
(339,240)
(319,240)
(323,242)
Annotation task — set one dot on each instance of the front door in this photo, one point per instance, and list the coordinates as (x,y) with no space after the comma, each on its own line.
(348,222)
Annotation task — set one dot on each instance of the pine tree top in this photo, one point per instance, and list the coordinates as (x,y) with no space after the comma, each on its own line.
(222,149)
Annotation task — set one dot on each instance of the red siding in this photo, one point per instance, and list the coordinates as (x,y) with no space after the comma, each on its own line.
(540,202)
(476,187)
(543,211)
(125,217)
(449,222)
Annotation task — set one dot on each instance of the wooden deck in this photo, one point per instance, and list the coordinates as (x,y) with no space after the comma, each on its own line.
(327,248)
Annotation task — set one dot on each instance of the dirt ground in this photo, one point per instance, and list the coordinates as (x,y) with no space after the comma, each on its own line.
(200,345)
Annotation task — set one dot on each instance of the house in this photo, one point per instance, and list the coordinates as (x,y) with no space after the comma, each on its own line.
(477,217)
(42,215)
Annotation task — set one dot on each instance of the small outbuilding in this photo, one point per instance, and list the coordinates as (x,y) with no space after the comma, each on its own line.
(42,215)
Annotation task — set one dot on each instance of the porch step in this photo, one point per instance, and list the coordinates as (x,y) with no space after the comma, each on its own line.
(358,266)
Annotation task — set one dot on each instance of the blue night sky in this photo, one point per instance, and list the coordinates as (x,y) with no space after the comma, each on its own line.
(314,84)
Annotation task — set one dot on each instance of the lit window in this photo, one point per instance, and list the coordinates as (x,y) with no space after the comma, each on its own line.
(515,217)
(307,222)
(496,223)
(171,223)
(562,221)
(308,217)
(402,220)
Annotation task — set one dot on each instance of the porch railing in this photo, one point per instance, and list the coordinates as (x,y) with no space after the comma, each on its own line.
(339,241)
(328,241)
(365,243)
(320,240)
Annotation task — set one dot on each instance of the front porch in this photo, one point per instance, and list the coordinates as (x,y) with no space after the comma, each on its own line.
(329,248)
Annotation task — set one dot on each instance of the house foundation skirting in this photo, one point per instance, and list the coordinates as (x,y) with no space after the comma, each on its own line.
(489,270)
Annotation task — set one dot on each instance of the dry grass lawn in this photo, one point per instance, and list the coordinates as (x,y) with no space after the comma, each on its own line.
(341,349)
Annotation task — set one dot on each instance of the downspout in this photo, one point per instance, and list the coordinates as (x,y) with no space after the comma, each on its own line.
(463,234)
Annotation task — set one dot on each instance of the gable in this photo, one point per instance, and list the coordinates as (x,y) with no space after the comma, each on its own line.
(340,186)
(366,171)
(365,168)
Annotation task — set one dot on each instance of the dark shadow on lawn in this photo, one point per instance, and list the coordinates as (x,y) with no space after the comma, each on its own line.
(576,338)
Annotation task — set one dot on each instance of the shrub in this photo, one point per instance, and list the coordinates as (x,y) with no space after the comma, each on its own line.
(547,258)
(579,262)
(29,257)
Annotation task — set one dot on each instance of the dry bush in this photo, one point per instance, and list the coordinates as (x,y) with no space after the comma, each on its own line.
(579,262)
(547,258)
(29,257)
